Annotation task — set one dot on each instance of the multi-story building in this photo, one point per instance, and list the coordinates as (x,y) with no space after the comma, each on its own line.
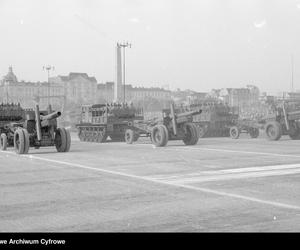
(77,87)
(239,97)
(105,93)
(29,93)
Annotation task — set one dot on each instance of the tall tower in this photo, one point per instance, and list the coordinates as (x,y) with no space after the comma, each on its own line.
(118,90)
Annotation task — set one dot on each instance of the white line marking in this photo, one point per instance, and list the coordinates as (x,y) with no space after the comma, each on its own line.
(210,149)
(234,151)
(223,177)
(249,171)
(205,190)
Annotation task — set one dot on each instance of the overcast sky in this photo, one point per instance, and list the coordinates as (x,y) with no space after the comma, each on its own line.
(196,44)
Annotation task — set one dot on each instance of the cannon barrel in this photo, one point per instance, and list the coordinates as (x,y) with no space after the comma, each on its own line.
(189,113)
(51,116)
(46,118)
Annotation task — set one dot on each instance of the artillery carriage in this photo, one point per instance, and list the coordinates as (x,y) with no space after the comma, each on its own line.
(174,125)
(215,119)
(285,121)
(245,126)
(37,129)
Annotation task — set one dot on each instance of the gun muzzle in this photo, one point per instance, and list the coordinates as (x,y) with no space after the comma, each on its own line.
(51,116)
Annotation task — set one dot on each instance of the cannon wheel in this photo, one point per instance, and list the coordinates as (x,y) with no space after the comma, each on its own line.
(159,135)
(136,137)
(62,140)
(273,131)
(295,136)
(254,132)
(191,135)
(129,136)
(3,142)
(201,131)
(234,132)
(21,141)
(294,132)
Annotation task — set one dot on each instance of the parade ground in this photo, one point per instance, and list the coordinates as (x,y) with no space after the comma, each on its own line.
(218,185)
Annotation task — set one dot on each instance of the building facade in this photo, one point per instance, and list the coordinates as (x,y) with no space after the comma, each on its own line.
(28,93)
(105,93)
(77,87)
(238,97)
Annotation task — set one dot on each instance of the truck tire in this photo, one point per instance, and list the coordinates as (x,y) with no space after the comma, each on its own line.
(62,140)
(254,132)
(191,136)
(159,135)
(273,130)
(21,141)
(234,132)
(3,142)
(129,136)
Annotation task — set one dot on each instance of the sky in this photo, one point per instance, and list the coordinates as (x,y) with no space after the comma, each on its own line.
(190,44)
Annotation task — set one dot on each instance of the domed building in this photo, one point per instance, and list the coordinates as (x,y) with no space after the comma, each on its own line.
(10,77)
(28,93)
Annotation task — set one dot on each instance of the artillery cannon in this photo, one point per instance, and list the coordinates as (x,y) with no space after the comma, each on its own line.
(283,122)
(38,130)
(173,126)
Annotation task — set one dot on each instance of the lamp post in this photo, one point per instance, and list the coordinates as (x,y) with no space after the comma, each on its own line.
(48,68)
(292,72)
(124,45)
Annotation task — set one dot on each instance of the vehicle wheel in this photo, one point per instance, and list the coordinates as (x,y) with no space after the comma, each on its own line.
(3,142)
(62,140)
(129,136)
(159,135)
(191,135)
(136,137)
(68,140)
(294,132)
(101,135)
(273,131)
(254,132)
(234,132)
(26,136)
(201,131)
(21,141)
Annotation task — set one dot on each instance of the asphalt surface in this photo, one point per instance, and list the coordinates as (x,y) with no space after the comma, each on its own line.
(218,185)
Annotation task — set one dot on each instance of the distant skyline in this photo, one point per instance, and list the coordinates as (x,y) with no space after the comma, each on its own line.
(189,44)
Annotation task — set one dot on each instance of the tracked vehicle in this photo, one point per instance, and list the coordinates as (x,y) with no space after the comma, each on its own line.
(100,121)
